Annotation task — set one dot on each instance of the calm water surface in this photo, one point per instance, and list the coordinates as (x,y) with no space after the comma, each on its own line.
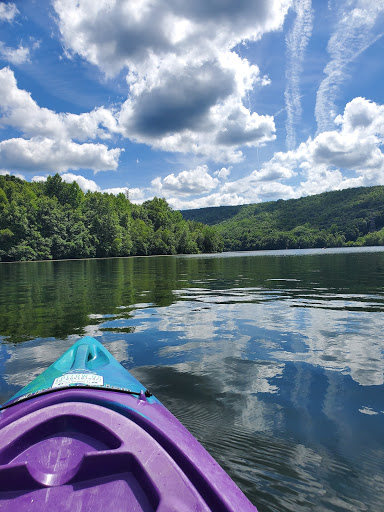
(274,360)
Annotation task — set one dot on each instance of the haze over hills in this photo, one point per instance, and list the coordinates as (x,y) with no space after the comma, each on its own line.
(350,217)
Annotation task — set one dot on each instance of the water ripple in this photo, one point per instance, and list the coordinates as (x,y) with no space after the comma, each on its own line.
(274,361)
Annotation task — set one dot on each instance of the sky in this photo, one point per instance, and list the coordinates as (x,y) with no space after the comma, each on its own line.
(203,102)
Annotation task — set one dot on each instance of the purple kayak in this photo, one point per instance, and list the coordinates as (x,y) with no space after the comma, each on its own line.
(86,436)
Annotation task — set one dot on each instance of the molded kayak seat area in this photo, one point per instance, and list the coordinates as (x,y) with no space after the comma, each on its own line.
(79,453)
(86,436)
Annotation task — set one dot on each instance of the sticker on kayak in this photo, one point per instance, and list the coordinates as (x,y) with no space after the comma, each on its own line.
(88,379)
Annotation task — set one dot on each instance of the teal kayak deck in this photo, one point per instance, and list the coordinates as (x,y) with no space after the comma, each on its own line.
(86,363)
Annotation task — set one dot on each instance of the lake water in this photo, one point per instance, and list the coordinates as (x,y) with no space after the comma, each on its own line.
(273,360)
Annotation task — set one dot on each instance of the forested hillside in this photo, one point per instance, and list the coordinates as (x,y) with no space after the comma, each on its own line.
(350,217)
(55,220)
(214,214)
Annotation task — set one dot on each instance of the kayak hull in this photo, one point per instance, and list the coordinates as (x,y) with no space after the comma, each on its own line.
(81,448)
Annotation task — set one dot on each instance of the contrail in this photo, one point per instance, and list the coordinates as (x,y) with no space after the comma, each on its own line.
(296,42)
(353,35)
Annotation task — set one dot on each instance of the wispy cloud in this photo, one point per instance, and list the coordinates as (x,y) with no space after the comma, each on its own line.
(296,41)
(15,56)
(8,11)
(355,32)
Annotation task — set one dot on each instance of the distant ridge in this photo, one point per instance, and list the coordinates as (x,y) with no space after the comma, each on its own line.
(213,214)
(350,217)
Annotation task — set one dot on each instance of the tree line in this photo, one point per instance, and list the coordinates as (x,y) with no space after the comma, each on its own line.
(57,220)
(342,218)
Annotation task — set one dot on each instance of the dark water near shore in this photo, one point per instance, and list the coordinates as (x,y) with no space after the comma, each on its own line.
(274,361)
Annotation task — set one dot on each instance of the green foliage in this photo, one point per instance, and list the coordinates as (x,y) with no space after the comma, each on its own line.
(56,220)
(212,215)
(350,217)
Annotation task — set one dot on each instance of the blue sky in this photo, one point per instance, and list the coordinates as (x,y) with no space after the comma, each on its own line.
(205,103)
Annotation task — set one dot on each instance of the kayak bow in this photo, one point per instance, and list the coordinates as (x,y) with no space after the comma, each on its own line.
(86,435)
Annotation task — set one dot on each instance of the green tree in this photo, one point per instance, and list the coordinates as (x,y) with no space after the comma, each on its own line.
(55,219)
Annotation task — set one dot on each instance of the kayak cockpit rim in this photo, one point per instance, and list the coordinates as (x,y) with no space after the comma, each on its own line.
(142,394)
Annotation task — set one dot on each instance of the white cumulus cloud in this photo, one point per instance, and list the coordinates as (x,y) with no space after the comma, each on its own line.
(348,156)
(186,83)
(49,143)
(124,34)
(193,182)
(21,54)
(223,173)
(45,154)
(216,199)
(18,55)
(85,184)
(20,111)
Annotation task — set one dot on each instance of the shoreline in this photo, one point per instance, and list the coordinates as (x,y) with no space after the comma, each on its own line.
(264,252)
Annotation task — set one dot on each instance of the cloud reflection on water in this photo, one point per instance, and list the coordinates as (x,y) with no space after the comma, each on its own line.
(274,363)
